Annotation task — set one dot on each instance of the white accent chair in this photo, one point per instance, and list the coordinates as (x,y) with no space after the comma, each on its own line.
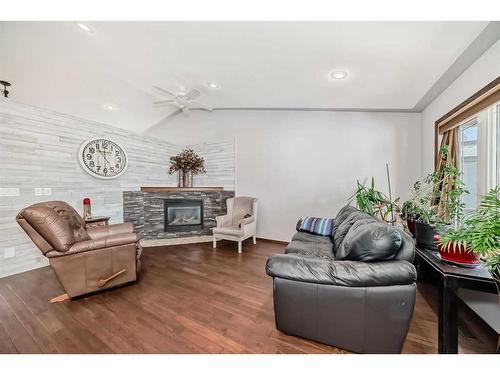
(234,226)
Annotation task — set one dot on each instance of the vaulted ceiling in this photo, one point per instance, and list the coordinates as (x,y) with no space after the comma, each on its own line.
(391,65)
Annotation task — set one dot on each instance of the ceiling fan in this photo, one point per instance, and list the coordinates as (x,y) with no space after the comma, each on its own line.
(184,100)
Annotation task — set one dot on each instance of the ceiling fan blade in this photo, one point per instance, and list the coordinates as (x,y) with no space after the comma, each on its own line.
(164,91)
(169,101)
(201,105)
(193,94)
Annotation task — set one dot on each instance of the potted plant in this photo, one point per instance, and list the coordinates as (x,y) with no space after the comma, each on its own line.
(478,236)
(422,197)
(455,251)
(438,202)
(186,164)
(375,203)
(409,210)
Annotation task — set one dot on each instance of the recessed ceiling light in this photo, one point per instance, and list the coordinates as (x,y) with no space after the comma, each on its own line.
(339,74)
(109,107)
(84,27)
(213,85)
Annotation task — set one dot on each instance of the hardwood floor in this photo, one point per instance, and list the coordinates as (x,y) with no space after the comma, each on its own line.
(189,299)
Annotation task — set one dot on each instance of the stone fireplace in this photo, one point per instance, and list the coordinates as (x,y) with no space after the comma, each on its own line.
(167,212)
(183,215)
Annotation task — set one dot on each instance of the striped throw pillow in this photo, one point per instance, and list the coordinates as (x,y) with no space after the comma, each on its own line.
(317,225)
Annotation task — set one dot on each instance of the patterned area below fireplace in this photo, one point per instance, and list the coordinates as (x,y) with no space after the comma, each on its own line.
(146,211)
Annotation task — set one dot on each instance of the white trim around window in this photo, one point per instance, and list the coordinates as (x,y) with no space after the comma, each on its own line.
(487,174)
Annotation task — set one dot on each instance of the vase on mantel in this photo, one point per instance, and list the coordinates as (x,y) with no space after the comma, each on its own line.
(184,178)
(180,178)
(189,179)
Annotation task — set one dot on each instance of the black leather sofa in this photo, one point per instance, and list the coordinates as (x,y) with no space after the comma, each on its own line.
(354,291)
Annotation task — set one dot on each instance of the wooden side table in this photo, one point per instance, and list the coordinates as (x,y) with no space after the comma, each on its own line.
(96,221)
(450,279)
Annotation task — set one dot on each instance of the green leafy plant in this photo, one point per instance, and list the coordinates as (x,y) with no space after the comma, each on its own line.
(408,211)
(480,232)
(493,263)
(411,208)
(437,199)
(421,200)
(374,202)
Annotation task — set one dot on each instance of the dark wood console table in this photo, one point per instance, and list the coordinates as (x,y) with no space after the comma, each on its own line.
(450,279)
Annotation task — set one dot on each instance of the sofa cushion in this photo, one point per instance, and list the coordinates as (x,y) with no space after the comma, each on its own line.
(311,237)
(345,273)
(370,241)
(346,217)
(311,245)
(310,250)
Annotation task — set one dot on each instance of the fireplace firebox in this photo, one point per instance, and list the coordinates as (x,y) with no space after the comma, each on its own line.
(183,215)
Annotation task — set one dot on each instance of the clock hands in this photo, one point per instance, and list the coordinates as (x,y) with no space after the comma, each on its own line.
(103,153)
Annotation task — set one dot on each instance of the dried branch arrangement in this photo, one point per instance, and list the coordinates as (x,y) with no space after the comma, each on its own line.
(187,161)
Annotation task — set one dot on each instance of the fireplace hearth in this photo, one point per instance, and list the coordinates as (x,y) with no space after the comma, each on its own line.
(183,215)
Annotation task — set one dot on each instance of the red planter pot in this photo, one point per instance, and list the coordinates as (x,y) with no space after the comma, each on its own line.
(458,254)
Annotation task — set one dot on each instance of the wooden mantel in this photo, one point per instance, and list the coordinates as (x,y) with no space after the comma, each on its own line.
(169,189)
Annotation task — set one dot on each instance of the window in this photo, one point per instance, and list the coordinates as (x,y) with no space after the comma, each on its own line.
(479,156)
(498,144)
(468,161)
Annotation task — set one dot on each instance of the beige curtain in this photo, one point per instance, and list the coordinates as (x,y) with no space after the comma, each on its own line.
(450,139)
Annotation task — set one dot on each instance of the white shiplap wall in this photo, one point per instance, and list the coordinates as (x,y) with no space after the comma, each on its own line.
(38,149)
(219,163)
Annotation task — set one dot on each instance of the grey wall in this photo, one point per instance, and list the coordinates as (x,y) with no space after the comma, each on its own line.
(38,149)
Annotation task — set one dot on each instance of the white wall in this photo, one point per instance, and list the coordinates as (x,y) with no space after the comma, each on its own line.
(478,75)
(38,149)
(306,162)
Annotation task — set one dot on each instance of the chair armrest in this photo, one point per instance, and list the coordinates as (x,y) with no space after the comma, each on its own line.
(101,243)
(223,221)
(102,231)
(247,220)
(342,273)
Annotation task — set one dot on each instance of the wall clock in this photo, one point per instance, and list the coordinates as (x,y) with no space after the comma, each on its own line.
(102,158)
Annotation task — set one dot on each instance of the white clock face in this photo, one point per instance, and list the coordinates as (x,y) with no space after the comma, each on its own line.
(103,158)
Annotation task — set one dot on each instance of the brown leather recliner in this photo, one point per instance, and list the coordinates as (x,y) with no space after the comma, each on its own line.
(84,260)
